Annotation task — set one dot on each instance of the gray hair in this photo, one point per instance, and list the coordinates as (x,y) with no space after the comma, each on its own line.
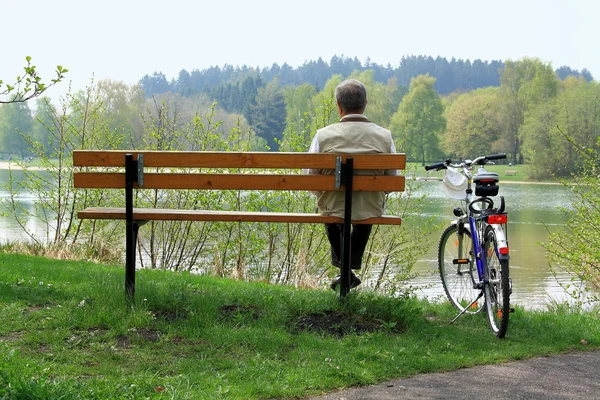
(351,95)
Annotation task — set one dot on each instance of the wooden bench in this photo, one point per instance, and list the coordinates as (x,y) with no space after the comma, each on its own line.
(183,170)
(510,172)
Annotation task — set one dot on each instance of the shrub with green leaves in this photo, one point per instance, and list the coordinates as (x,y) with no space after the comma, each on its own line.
(576,248)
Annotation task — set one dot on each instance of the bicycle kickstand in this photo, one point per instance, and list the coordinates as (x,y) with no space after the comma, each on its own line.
(467,307)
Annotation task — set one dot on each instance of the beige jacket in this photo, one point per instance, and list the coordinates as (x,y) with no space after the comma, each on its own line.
(354,134)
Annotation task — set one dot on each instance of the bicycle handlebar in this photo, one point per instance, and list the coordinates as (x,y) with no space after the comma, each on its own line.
(435,166)
(479,161)
(495,157)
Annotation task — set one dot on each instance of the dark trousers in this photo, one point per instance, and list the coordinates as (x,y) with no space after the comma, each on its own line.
(358,243)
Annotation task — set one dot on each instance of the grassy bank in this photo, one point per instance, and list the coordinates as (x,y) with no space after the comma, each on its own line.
(66,333)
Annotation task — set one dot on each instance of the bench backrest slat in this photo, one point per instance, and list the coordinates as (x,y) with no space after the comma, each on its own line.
(107,180)
(174,159)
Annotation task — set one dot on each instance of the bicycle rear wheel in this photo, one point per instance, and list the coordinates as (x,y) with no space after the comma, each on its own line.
(459,279)
(497,289)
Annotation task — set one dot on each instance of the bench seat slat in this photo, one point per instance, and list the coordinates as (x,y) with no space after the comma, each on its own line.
(148,214)
(108,180)
(199,159)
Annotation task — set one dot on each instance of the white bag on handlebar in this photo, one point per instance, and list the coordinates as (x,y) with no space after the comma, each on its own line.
(454,184)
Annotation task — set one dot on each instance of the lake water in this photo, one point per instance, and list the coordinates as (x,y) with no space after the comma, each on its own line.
(532,210)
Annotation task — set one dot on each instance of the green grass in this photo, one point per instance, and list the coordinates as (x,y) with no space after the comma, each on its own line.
(66,332)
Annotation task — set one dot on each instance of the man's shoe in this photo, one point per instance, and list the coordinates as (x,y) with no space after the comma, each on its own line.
(354,281)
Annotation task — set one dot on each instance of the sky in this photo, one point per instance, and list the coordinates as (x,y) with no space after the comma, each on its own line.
(127,39)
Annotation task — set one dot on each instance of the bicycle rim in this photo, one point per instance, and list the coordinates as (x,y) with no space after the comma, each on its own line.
(458,279)
(497,289)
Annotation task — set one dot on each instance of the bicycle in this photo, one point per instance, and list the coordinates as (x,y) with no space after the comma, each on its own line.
(473,253)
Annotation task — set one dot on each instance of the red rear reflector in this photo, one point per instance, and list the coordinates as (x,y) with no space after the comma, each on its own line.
(503,250)
(497,219)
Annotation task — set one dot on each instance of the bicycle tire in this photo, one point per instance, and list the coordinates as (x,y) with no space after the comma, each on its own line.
(458,280)
(497,288)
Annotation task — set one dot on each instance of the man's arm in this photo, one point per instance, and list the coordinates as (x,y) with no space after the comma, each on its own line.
(393,151)
(314,148)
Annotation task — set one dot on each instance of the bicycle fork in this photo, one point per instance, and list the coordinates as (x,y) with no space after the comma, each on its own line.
(476,248)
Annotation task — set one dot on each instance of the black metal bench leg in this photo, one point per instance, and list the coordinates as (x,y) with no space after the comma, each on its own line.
(345,272)
(131,227)
(346,253)
(131,241)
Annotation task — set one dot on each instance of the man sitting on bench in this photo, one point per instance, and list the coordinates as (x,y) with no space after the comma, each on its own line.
(353,134)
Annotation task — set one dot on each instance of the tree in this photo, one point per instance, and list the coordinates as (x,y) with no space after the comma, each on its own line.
(29,85)
(43,125)
(268,114)
(323,104)
(419,121)
(121,106)
(564,72)
(382,98)
(298,109)
(524,84)
(155,84)
(15,121)
(551,130)
(575,248)
(474,125)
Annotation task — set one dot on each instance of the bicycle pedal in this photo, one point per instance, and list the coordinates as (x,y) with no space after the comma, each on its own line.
(460,261)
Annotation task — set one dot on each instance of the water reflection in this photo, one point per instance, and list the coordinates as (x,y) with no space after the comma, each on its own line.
(10,230)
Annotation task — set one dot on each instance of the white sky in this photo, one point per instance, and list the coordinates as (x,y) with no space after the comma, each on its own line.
(126,39)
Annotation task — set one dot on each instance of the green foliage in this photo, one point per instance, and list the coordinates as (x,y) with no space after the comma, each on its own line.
(29,85)
(298,103)
(523,85)
(392,252)
(307,110)
(324,105)
(382,98)
(15,122)
(77,124)
(576,247)
(419,121)
(120,105)
(474,125)
(268,114)
(554,129)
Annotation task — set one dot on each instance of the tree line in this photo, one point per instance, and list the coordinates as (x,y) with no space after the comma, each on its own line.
(532,114)
(451,76)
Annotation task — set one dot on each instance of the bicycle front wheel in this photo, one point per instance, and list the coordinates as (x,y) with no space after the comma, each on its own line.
(459,277)
(497,288)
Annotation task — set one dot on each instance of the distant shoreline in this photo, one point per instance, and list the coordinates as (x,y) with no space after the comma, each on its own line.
(502,182)
(15,166)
